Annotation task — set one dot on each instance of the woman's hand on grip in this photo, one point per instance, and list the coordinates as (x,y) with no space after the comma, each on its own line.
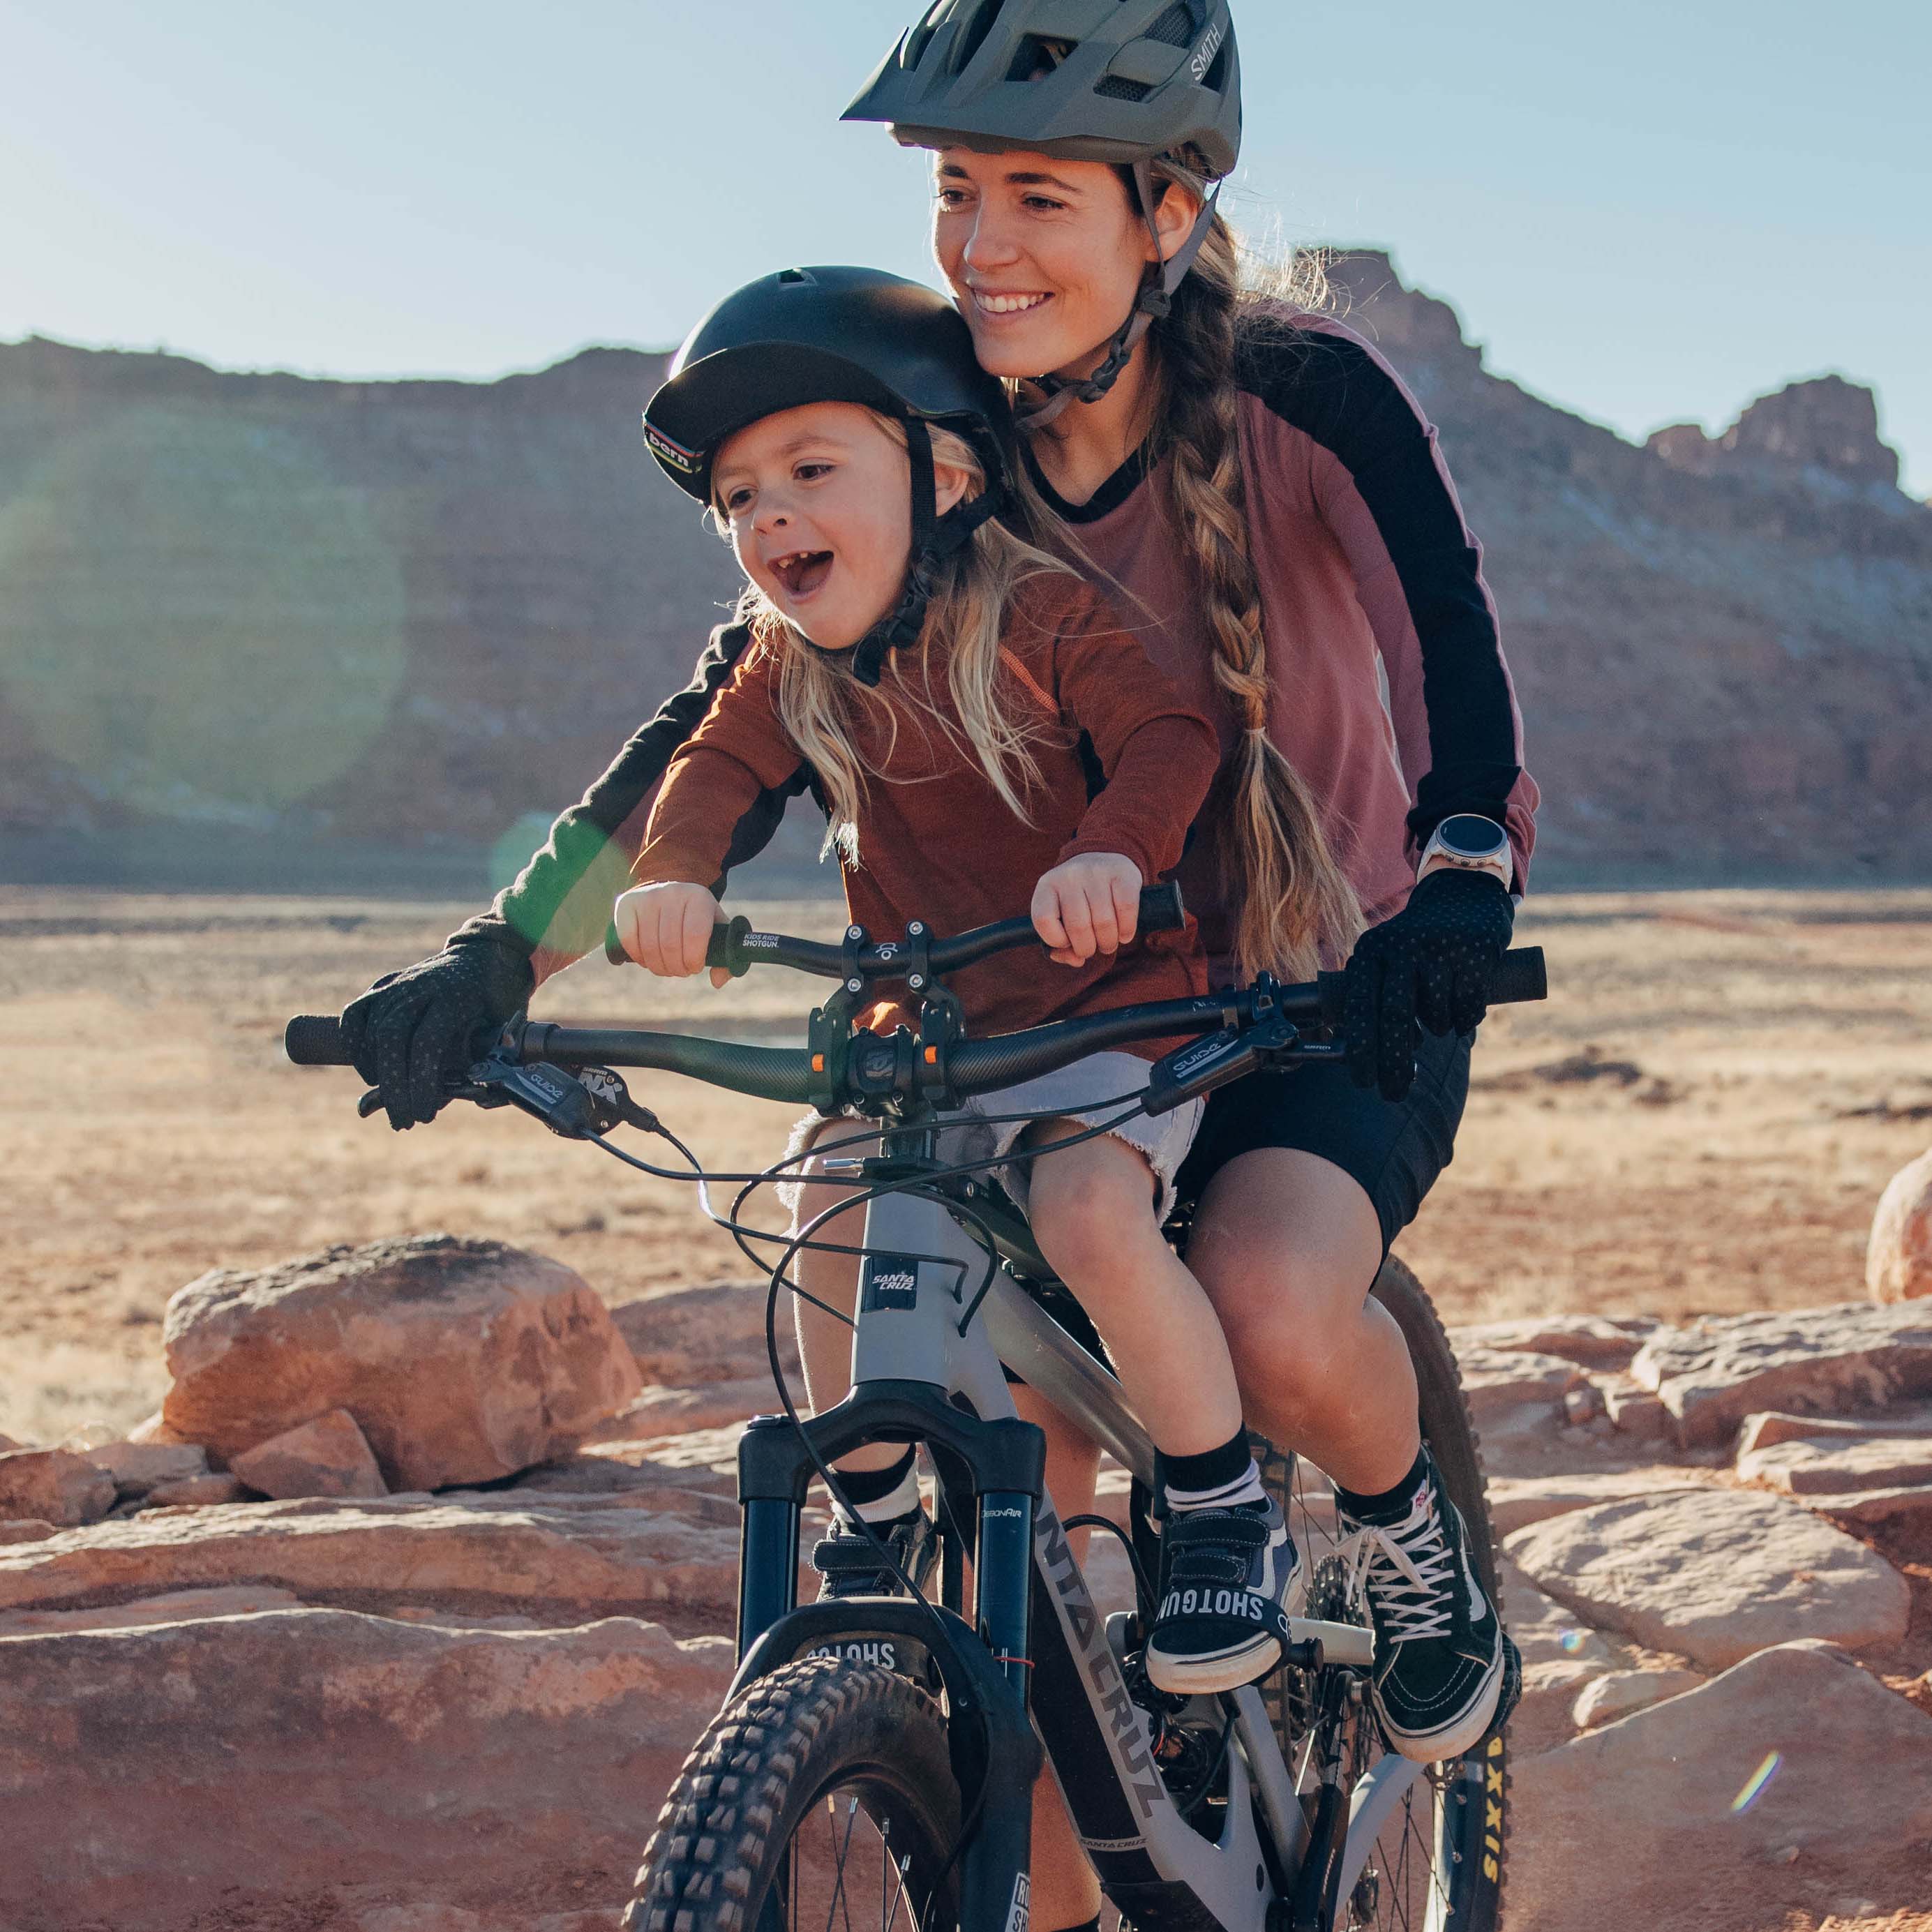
(1087,904)
(410,1034)
(666,929)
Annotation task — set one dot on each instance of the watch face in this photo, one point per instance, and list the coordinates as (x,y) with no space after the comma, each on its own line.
(1468,836)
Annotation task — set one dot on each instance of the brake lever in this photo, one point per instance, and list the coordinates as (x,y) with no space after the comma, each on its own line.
(592,1101)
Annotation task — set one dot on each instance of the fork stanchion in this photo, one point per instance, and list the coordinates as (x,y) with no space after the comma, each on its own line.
(1003,1572)
(768,1564)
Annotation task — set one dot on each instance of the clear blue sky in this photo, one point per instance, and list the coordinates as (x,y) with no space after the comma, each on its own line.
(1647,211)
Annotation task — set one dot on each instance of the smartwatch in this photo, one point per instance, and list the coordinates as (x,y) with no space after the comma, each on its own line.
(1470,844)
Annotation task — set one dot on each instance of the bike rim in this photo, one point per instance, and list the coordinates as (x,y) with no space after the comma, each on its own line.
(862,1858)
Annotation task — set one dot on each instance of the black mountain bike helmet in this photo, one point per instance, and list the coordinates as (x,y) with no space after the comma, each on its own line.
(842,335)
(1121,81)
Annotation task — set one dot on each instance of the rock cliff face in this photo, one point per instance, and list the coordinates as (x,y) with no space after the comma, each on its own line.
(416,614)
(1723,647)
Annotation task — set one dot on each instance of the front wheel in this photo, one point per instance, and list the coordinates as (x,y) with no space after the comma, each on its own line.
(1434,1858)
(823,1795)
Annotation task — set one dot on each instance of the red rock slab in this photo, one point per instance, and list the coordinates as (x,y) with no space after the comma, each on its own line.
(1713,1372)
(1713,1575)
(226,1769)
(678,1411)
(714,1332)
(328,1457)
(1648,1822)
(1831,1466)
(611,1559)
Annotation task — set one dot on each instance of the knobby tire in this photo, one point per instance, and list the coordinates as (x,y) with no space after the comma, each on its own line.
(795,1810)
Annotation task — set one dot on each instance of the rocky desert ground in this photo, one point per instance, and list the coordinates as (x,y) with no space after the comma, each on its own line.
(360,1673)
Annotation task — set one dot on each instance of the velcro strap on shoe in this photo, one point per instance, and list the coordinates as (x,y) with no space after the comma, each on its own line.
(1212,1546)
(841,1555)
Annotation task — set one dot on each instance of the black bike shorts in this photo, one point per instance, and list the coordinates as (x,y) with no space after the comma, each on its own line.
(1394,1149)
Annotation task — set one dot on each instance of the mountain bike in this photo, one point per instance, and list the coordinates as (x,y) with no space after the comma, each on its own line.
(875,1757)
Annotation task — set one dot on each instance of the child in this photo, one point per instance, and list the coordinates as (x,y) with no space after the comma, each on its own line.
(949,691)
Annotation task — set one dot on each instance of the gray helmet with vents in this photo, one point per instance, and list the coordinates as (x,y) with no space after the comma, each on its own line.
(1121,81)
(1087,80)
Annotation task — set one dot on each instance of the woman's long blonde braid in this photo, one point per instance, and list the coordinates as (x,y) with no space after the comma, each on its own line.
(1295,904)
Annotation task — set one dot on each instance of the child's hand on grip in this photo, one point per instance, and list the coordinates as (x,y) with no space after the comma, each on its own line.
(667,928)
(1087,905)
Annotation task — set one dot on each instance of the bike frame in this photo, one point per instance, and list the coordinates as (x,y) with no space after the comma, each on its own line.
(1043,1658)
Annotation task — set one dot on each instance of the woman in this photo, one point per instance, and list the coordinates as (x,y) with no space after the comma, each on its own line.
(1265,487)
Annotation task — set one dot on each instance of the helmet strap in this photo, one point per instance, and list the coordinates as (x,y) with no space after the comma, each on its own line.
(1155,299)
(935,538)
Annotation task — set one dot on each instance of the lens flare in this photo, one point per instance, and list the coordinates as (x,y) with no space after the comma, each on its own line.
(1754,1788)
(1572,1640)
(202,615)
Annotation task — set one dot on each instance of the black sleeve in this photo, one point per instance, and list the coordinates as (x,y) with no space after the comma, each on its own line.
(1333,387)
(557,909)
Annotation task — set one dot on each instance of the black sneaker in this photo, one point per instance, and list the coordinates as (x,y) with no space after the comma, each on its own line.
(1224,1576)
(1446,1673)
(849,1565)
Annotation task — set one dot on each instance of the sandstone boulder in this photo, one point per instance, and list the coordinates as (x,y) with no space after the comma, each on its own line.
(1712,1373)
(1652,1821)
(1714,1575)
(345,1761)
(1898,1259)
(329,1456)
(461,1361)
(197,1493)
(1618,1693)
(53,1486)
(26,1529)
(1636,1413)
(137,1467)
(505,1552)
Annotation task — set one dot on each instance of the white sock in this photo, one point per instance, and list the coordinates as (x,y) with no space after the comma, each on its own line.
(1246,1488)
(901,1501)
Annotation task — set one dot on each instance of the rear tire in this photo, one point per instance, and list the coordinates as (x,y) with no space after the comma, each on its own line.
(1438,1861)
(824,1793)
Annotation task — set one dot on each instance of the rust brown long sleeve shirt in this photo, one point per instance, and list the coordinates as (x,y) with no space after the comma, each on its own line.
(937,842)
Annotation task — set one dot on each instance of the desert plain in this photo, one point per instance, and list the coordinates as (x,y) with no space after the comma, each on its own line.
(1698,1120)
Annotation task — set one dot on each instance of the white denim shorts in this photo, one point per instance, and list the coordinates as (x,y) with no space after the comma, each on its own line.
(1090,1091)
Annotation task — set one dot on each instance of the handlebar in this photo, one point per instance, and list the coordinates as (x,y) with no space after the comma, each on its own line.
(737,946)
(788,1075)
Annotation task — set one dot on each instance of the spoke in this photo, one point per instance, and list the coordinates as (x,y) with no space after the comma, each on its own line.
(839,1900)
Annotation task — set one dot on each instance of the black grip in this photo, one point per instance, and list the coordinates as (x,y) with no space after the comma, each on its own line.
(1161,908)
(1518,976)
(315,1039)
(722,951)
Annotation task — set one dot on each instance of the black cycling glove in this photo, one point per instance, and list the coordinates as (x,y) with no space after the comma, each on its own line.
(1430,966)
(409,1034)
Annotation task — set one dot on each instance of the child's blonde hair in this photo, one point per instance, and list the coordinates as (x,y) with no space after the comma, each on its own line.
(820,703)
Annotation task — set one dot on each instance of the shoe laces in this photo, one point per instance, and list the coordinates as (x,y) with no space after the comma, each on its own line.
(1410,1569)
